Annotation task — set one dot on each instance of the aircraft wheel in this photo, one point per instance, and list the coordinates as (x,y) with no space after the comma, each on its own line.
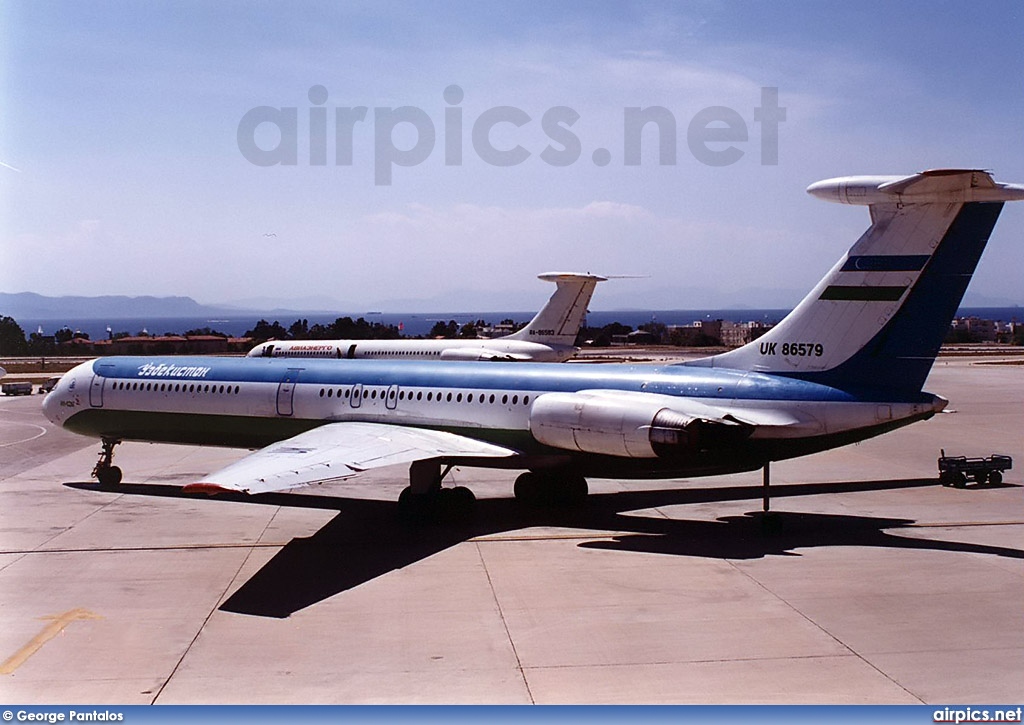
(551,490)
(444,504)
(463,497)
(574,490)
(455,504)
(109,476)
(527,489)
(412,506)
(564,490)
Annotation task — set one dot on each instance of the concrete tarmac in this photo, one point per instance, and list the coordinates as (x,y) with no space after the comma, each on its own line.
(882,587)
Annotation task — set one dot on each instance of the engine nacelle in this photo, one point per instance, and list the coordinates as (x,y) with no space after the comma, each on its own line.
(609,424)
(937,186)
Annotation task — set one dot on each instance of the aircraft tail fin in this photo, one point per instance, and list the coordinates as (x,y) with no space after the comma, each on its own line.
(879,316)
(559,321)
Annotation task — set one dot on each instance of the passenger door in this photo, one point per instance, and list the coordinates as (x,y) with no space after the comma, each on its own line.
(286,392)
(99,382)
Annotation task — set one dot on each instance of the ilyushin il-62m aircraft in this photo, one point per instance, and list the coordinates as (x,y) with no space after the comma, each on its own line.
(847,364)
(549,337)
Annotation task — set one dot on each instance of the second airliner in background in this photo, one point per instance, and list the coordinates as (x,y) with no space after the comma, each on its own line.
(549,337)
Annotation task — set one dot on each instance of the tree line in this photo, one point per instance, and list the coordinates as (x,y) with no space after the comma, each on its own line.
(345,328)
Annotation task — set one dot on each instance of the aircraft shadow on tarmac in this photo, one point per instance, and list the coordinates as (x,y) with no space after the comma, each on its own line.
(367,540)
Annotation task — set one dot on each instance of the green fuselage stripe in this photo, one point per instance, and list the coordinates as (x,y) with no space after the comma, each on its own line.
(845,293)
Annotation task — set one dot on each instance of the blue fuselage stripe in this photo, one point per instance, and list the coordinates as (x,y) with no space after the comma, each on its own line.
(677,380)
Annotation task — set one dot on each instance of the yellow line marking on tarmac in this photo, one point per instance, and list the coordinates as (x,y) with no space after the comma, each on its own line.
(60,621)
(957,524)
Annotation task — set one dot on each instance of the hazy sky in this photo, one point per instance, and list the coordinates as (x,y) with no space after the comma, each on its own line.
(121,170)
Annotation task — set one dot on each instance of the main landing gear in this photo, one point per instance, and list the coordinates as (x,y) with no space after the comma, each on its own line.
(424,499)
(551,489)
(104,471)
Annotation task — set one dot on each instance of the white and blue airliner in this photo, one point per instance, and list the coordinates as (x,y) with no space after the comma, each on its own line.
(847,364)
(549,337)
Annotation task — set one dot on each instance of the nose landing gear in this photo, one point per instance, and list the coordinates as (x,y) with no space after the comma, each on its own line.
(104,471)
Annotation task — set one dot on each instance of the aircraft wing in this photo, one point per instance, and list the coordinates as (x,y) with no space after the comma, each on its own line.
(481,353)
(336,451)
(505,356)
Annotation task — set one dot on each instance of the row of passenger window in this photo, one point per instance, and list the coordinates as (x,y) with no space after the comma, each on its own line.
(290,352)
(178,387)
(399,353)
(346,393)
(396,353)
(430,396)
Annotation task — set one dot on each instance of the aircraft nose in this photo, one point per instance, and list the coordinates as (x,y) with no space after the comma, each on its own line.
(51,406)
(61,401)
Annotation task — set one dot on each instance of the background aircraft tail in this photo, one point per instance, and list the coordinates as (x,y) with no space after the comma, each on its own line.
(560,319)
(879,316)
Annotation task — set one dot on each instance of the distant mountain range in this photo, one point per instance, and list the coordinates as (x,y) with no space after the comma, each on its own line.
(608,297)
(29,304)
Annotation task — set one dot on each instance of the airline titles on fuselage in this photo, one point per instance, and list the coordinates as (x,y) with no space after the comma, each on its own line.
(314,348)
(149,370)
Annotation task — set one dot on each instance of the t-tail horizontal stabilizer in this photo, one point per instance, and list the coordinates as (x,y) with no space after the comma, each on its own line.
(877,319)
